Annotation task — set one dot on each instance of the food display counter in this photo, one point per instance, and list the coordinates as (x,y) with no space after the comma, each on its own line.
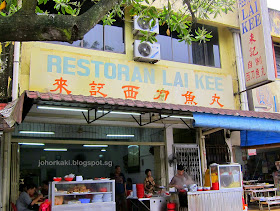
(83,195)
(227,194)
(218,200)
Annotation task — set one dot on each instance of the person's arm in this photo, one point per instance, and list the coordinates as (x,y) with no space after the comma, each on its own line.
(173,184)
(36,199)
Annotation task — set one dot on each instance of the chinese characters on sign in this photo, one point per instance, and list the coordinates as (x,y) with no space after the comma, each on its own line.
(256,42)
(131,92)
(189,98)
(95,88)
(162,95)
(60,83)
(255,64)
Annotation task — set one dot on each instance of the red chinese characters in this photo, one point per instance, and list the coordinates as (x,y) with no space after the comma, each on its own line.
(131,91)
(189,98)
(216,99)
(95,88)
(253,71)
(253,51)
(61,83)
(250,64)
(258,60)
(252,39)
(163,94)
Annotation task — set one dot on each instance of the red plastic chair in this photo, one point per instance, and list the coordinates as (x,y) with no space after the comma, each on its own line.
(14,206)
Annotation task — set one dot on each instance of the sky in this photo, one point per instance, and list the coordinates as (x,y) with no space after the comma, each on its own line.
(274,4)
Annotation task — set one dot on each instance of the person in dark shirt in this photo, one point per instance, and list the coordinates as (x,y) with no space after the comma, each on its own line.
(120,184)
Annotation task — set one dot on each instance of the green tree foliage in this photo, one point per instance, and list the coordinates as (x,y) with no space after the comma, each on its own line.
(180,20)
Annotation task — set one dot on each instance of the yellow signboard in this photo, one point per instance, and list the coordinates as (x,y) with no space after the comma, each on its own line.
(92,75)
(256,42)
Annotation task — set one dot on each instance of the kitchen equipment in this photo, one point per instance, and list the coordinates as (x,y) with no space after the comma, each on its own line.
(79,178)
(68,178)
(206,188)
(215,186)
(192,187)
(57,179)
(134,190)
(140,190)
(171,206)
(199,188)
(84,200)
(107,197)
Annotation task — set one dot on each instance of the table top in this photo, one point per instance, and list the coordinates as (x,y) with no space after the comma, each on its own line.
(257,186)
(264,190)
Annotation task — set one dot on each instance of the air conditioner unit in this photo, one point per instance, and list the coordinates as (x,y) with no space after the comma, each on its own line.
(141,24)
(146,51)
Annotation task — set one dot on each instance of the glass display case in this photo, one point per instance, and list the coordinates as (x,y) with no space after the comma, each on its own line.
(83,195)
(229,176)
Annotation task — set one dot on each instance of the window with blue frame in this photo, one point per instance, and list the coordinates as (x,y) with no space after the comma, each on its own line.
(206,54)
(104,38)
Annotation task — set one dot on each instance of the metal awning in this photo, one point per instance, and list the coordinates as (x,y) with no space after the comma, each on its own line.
(258,138)
(203,116)
(236,122)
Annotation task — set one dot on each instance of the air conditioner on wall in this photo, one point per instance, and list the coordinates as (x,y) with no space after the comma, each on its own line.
(146,52)
(141,24)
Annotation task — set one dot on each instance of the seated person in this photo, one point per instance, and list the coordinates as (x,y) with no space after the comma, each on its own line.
(149,183)
(24,202)
(45,188)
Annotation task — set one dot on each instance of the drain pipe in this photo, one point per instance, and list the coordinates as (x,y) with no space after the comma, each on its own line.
(16,71)
(240,72)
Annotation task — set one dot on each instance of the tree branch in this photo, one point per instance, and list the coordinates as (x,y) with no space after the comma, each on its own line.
(188,3)
(24,26)
(29,6)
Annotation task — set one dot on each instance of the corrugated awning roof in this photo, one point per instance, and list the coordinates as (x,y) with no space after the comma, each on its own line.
(28,98)
(138,105)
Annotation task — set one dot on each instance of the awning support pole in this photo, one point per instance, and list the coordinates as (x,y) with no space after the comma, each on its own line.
(185,123)
(150,119)
(95,115)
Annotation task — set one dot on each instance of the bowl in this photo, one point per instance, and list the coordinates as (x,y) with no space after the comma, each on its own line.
(103,190)
(84,201)
(57,179)
(68,178)
(171,205)
(206,188)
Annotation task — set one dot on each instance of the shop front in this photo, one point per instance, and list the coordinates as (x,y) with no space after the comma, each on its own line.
(149,143)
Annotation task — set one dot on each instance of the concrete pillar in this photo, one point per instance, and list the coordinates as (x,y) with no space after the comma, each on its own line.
(169,153)
(6,164)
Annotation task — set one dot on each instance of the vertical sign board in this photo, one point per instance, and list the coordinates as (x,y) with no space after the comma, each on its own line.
(256,42)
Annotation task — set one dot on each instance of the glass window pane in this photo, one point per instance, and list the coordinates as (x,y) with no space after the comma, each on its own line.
(180,51)
(165,47)
(217,56)
(94,38)
(114,39)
